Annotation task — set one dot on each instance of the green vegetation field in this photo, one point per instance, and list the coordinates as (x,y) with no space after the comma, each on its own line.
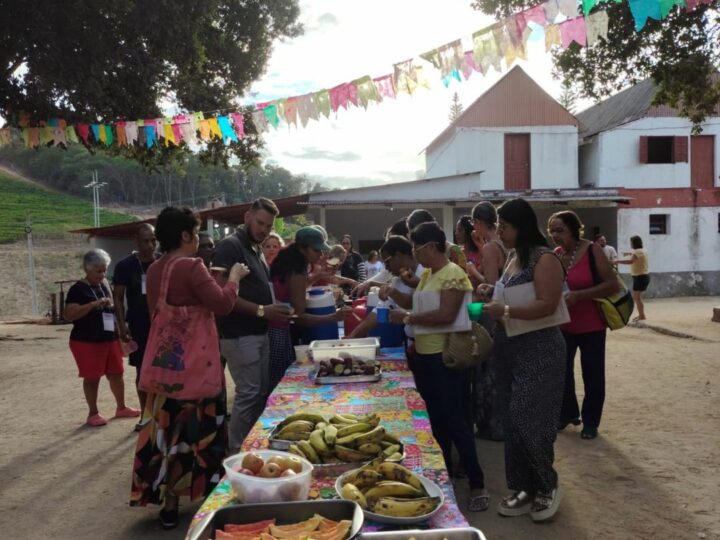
(50,212)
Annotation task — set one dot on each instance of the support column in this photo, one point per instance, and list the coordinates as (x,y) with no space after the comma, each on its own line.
(322,218)
(448,222)
(211,227)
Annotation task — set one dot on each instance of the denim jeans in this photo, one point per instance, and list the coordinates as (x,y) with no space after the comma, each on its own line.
(443,390)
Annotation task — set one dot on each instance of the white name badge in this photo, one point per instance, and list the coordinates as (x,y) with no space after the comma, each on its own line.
(108,322)
(498,290)
(143,284)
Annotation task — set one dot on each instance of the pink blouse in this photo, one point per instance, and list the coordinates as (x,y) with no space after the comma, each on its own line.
(585,315)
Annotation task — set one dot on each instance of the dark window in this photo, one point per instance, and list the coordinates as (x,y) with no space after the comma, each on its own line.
(719,223)
(659,223)
(663,149)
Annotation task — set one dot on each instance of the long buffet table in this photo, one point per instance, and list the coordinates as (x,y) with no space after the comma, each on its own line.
(394,399)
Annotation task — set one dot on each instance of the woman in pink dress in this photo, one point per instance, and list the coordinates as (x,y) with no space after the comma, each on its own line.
(589,275)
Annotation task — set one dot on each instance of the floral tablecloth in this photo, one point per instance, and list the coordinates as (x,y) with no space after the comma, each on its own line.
(394,399)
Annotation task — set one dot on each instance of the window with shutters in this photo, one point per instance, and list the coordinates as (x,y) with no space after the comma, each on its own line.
(663,149)
(659,224)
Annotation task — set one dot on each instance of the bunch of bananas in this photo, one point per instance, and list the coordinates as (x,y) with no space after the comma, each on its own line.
(343,438)
(388,489)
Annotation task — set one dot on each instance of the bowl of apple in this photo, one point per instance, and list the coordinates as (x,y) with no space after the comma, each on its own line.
(264,476)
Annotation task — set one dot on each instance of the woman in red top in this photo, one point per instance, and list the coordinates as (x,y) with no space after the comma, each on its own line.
(181,448)
(587,329)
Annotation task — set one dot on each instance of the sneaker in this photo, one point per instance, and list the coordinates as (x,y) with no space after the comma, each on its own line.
(127,412)
(546,505)
(169,519)
(517,504)
(96,420)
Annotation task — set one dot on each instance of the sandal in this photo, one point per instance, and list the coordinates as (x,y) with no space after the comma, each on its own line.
(517,504)
(96,420)
(546,505)
(479,502)
(127,412)
(588,433)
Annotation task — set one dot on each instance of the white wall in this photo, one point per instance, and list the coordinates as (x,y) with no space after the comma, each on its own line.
(553,156)
(693,242)
(619,165)
(117,248)
(589,163)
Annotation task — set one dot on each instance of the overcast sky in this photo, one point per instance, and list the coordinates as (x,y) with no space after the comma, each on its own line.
(345,40)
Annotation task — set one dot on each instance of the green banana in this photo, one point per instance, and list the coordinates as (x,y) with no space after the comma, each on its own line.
(352,493)
(318,443)
(373,436)
(395,471)
(397,456)
(395,507)
(330,433)
(294,449)
(339,419)
(298,425)
(321,425)
(371,449)
(309,417)
(390,450)
(372,419)
(349,429)
(350,440)
(392,489)
(293,436)
(310,454)
(348,454)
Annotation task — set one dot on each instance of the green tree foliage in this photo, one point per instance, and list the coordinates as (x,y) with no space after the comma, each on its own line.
(680,53)
(100,61)
(185,180)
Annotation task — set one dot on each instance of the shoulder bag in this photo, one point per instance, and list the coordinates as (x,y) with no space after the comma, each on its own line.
(182,356)
(616,309)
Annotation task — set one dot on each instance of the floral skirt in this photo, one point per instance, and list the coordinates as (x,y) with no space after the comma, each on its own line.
(183,440)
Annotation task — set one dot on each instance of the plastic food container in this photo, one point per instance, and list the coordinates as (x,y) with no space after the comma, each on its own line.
(364,348)
(254,489)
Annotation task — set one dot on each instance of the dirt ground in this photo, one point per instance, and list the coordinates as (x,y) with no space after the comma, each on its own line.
(652,473)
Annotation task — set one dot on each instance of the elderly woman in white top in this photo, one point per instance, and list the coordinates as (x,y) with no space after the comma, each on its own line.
(93,340)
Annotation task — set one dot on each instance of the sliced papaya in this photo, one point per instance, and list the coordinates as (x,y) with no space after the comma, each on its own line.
(257,526)
(337,533)
(298,529)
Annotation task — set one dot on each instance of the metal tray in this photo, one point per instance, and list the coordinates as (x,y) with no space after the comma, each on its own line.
(346,379)
(285,513)
(462,533)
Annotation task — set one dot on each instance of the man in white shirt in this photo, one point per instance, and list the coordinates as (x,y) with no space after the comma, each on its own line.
(609,250)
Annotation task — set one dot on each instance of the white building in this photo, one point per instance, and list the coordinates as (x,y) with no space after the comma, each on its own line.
(669,176)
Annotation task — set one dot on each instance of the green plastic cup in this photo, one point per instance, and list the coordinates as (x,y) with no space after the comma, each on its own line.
(475,310)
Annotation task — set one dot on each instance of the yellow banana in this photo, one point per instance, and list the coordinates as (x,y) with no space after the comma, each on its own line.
(321,425)
(298,425)
(392,489)
(395,471)
(310,454)
(373,436)
(349,429)
(397,456)
(352,493)
(391,506)
(309,417)
(372,419)
(348,454)
(365,479)
(350,440)
(371,449)
(318,443)
(330,434)
(339,419)
(294,449)
(353,477)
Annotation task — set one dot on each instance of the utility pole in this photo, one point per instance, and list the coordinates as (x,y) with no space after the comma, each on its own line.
(31,266)
(96,185)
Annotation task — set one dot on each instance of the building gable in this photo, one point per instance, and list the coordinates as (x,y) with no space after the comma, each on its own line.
(515,100)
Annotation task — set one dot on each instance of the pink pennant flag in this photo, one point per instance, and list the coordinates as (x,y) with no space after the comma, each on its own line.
(238,124)
(693,4)
(291,110)
(469,64)
(342,95)
(573,30)
(177,133)
(83,131)
(385,86)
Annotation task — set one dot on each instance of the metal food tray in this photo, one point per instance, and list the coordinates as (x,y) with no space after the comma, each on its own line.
(285,513)
(461,533)
(347,379)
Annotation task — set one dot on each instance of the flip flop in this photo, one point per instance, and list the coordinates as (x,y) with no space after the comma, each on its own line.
(479,503)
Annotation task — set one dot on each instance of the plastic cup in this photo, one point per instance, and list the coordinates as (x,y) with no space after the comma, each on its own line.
(475,310)
(383,315)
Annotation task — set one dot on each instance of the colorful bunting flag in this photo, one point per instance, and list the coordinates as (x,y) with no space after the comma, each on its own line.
(642,10)
(366,91)
(596,26)
(485,50)
(385,86)
(552,36)
(447,59)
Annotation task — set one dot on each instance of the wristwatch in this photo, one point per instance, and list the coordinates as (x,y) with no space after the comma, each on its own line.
(406,318)
(260,311)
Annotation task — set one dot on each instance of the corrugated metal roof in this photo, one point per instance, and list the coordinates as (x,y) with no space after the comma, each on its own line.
(232,215)
(627,106)
(515,100)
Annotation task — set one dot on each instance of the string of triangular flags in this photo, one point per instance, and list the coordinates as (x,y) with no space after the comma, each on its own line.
(505,40)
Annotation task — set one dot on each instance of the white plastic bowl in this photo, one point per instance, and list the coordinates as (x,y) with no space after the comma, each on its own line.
(254,489)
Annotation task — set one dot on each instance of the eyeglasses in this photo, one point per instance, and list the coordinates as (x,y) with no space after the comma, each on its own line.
(416,249)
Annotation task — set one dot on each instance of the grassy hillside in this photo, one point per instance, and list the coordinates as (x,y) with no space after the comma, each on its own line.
(51,212)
